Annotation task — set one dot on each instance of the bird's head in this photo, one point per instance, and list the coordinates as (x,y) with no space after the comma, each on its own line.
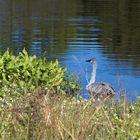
(92,60)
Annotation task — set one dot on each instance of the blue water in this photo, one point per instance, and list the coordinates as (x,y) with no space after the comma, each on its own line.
(76,30)
(120,76)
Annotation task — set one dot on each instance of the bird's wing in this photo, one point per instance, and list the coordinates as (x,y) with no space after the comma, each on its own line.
(101,89)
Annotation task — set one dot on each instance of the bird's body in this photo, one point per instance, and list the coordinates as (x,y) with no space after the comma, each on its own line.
(98,90)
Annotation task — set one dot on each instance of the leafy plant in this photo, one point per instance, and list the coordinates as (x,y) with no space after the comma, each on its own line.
(29,72)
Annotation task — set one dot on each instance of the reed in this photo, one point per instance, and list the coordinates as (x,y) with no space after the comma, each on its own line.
(49,116)
(38,102)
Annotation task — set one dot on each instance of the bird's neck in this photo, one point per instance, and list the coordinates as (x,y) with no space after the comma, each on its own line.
(93,74)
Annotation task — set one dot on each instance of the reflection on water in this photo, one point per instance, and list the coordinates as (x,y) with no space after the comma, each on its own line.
(75,30)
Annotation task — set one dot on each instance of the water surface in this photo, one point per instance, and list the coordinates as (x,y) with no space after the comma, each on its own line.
(75,30)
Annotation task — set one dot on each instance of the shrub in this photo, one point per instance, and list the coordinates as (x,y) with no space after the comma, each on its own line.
(29,72)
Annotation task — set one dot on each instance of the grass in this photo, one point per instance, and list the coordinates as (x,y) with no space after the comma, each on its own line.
(37,102)
(48,116)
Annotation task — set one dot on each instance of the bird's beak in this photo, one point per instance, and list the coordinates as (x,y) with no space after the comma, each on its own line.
(88,60)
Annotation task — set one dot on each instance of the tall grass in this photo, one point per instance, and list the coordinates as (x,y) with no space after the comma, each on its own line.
(54,117)
(37,103)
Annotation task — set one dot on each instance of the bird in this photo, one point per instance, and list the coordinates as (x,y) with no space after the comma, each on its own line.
(100,90)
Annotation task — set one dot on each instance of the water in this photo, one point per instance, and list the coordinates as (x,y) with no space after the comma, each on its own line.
(75,30)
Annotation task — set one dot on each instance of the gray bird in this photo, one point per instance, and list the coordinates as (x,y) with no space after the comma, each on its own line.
(98,90)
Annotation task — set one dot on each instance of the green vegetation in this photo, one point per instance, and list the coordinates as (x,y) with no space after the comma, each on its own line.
(43,116)
(23,73)
(31,109)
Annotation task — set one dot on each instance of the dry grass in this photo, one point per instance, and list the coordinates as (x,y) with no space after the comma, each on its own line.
(43,116)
